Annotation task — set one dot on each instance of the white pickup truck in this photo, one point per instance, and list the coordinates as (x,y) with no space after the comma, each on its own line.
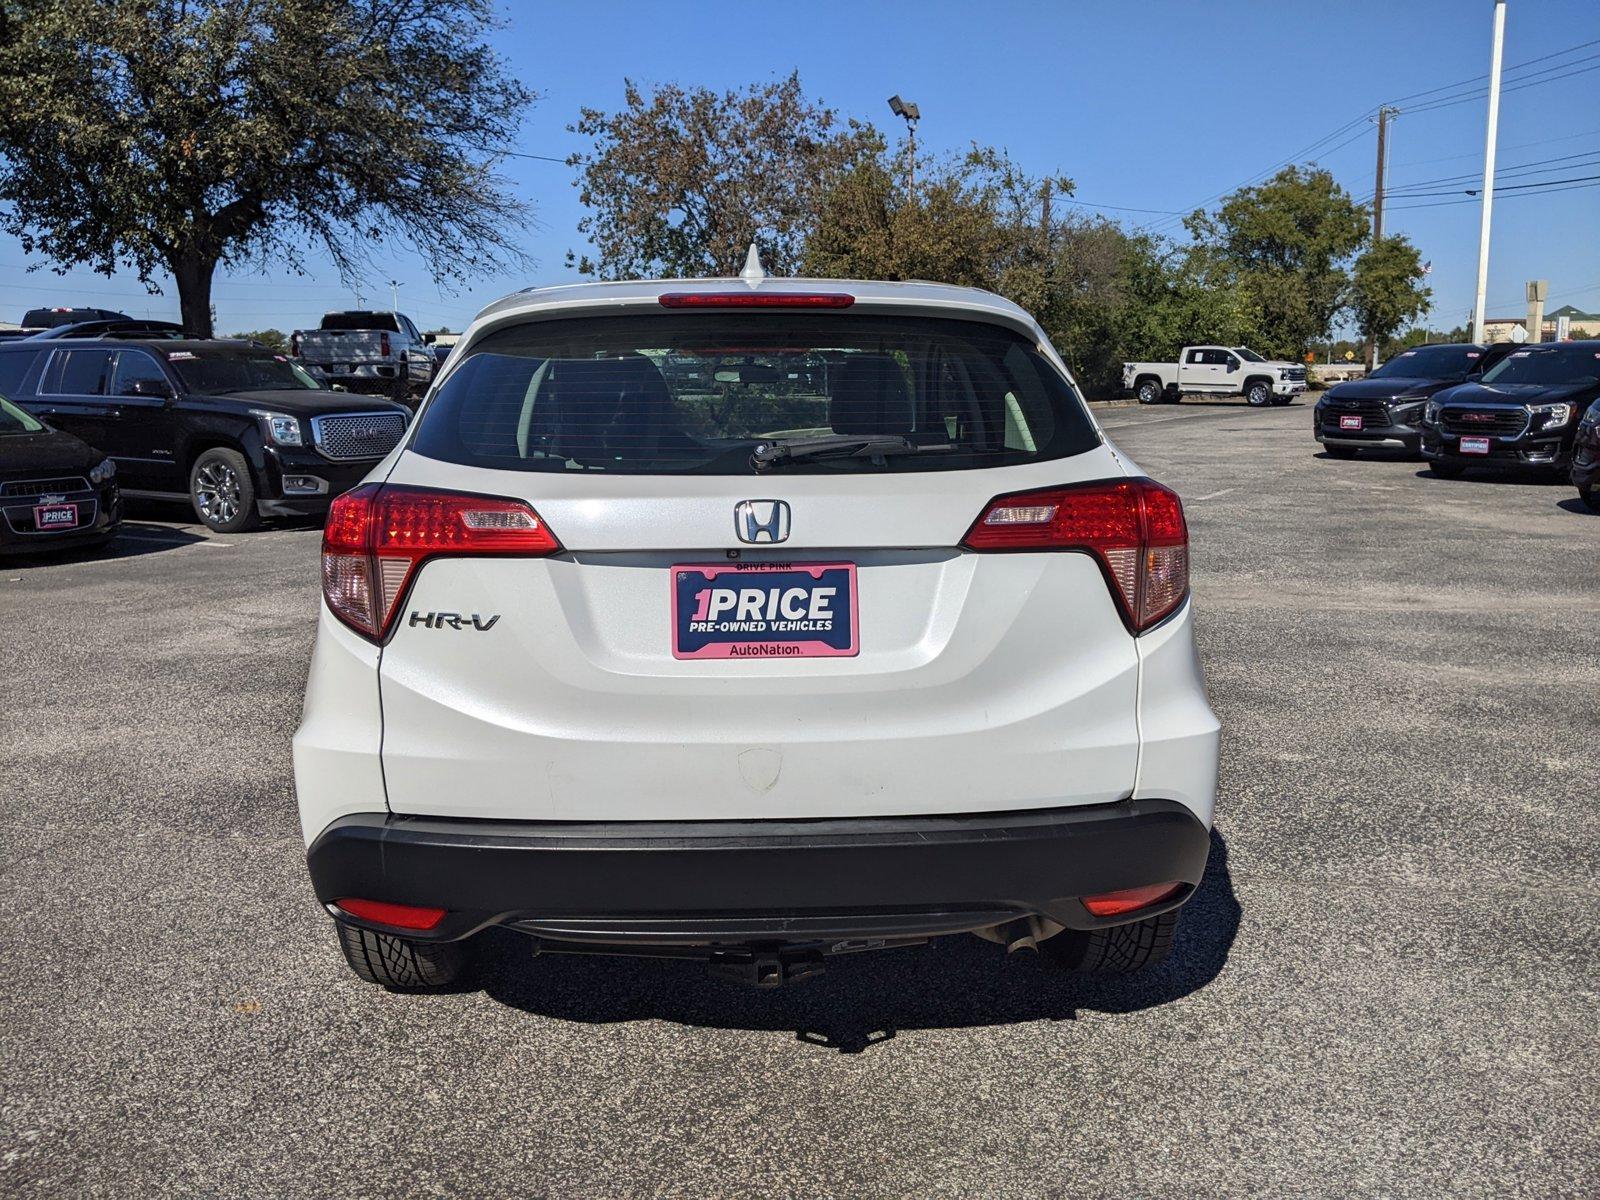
(374,352)
(1215,371)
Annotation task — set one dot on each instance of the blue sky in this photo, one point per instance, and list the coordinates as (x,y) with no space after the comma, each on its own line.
(1149,104)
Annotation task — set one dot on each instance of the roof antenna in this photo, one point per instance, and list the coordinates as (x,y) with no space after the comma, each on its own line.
(753,272)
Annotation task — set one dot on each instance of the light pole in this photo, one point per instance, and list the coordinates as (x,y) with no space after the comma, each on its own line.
(394,294)
(1488,169)
(911,114)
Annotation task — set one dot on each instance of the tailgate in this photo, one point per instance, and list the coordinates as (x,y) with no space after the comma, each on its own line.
(970,683)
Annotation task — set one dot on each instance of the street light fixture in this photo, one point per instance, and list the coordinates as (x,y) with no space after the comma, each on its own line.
(911,114)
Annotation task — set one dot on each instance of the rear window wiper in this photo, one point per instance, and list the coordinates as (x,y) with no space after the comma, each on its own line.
(833,445)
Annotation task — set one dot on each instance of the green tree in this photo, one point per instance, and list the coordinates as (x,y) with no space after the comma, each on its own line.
(1387,289)
(1287,244)
(180,135)
(273,339)
(682,180)
(1100,293)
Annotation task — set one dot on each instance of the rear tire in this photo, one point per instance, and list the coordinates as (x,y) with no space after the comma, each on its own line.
(395,962)
(1149,391)
(1114,950)
(1340,451)
(1446,470)
(223,492)
(1591,497)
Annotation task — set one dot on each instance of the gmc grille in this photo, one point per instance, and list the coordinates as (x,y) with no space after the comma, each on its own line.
(1484,422)
(1374,414)
(67,484)
(357,435)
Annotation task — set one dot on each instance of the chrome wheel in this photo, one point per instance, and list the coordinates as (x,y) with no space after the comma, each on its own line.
(1149,392)
(216,492)
(1259,394)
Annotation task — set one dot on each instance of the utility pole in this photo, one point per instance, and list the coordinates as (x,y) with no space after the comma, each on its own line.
(1384,113)
(1488,170)
(1044,219)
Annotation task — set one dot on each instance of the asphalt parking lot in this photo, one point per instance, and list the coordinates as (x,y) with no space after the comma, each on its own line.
(1386,986)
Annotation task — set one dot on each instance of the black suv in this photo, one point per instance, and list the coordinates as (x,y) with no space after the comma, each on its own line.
(1385,407)
(1523,411)
(232,426)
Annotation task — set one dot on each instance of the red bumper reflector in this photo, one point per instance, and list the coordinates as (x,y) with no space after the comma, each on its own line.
(748,299)
(400,916)
(1114,904)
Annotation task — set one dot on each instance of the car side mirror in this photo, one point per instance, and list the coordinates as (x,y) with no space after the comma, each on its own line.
(1233,366)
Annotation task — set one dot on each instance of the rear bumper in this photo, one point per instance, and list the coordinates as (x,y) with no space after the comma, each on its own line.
(743,882)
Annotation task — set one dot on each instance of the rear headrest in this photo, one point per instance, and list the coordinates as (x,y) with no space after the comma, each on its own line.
(608,407)
(870,396)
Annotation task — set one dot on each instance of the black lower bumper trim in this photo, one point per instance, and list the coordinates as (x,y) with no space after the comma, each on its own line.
(736,882)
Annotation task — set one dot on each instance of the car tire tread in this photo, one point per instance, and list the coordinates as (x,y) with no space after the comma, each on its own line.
(1115,949)
(401,963)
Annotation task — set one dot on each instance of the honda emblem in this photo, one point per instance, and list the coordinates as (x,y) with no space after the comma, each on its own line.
(761,521)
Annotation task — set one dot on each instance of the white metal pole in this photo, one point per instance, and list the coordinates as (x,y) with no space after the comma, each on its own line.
(1478,314)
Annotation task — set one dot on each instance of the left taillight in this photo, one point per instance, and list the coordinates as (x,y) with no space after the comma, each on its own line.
(378,536)
(1134,527)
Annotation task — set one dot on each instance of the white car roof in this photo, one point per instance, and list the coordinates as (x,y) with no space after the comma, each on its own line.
(645,295)
(881,296)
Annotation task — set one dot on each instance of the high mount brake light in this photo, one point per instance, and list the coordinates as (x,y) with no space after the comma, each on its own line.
(756,300)
(1134,527)
(377,536)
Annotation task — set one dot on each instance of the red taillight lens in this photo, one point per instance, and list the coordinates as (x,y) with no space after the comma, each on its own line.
(383,342)
(1135,527)
(756,300)
(400,916)
(1115,904)
(377,536)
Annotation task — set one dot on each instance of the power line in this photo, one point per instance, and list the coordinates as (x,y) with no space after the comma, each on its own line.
(1507,71)
(1566,137)
(1122,208)
(1530,80)
(1481,93)
(1574,187)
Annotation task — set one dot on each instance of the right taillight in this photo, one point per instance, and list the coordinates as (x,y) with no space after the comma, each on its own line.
(377,536)
(1134,527)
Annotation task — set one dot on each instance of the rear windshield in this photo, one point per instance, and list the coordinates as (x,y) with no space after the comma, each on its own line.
(1430,362)
(361,320)
(697,393)
(215,373)
(1577,363)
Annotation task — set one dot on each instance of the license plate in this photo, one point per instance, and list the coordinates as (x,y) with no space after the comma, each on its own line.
(55,516)
(1349,422)
(339,369)
(764,610)
(1474,445)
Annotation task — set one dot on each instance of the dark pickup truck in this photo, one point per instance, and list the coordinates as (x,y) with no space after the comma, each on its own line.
(234,428)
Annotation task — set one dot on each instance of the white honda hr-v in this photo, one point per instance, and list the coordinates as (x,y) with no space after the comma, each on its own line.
(755,621)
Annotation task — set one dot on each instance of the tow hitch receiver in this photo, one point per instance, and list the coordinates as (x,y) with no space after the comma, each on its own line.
(764,968)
